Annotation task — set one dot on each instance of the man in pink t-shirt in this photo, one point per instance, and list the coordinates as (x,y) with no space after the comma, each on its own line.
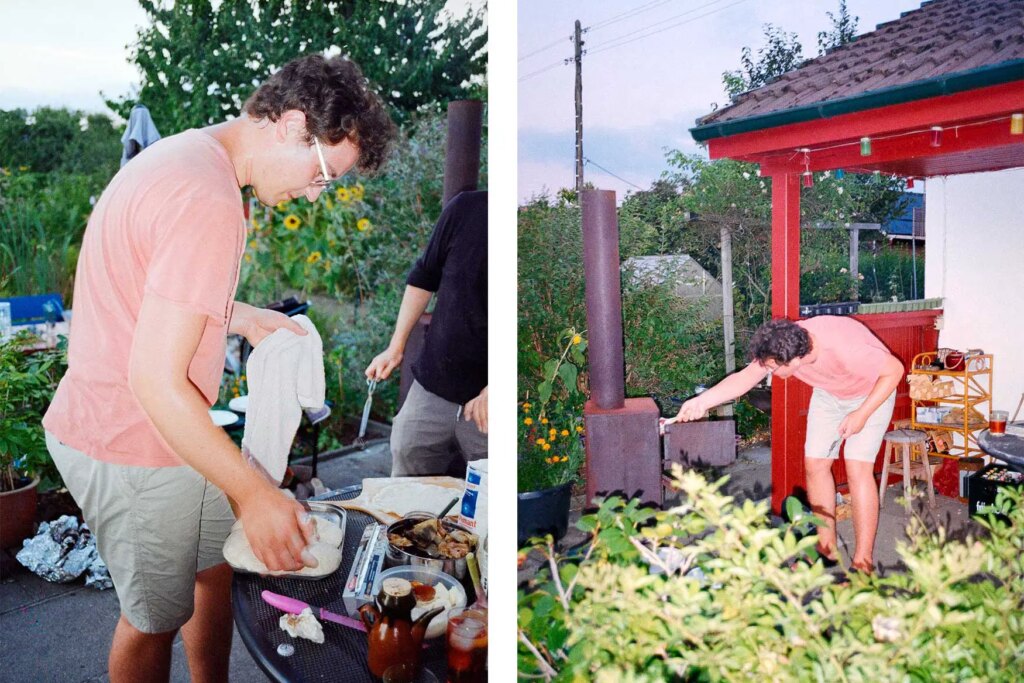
(854,378)
(154,301)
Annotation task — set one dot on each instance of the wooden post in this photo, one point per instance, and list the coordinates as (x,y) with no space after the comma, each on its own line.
(787,460)
(728,328)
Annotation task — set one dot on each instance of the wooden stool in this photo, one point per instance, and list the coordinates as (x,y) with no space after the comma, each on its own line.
(910,449)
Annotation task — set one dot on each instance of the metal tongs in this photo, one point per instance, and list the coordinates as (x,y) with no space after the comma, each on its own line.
(371,386)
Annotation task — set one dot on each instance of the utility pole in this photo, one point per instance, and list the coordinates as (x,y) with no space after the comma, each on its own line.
(579,110)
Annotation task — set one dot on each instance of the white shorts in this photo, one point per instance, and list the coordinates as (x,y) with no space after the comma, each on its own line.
(825,414)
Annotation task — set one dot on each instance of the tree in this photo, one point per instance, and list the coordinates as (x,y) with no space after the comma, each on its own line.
(781,53)
(64,140)
(844,30)
(199,63)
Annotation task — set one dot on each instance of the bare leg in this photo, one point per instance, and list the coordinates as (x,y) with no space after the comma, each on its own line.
(864,492)
(137,656)
(207,635)
(821,493)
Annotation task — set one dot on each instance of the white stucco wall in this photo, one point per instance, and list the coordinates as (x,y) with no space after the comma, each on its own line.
(975,262)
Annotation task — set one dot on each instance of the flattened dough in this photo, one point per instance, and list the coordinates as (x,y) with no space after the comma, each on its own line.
(238,553)
(405,497)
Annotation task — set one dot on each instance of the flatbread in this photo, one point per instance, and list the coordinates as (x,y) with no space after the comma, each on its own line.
(402,498)
(238,553)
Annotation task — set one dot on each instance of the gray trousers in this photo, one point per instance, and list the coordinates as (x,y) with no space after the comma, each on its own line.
(424,431)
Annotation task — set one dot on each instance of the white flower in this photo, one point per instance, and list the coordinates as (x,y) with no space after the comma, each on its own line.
(887,629)
(839,189)
(860,276)
(746,176)
(826,174)
(842,270)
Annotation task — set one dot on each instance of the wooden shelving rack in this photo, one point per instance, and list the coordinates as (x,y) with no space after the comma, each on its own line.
(972,388)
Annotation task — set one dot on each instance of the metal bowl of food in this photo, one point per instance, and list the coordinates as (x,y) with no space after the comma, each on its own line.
(424,541)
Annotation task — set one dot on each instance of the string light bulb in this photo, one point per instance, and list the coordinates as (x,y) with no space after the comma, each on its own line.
(865,146)
(808,179)
(840,173)
(910,183)
(936,136)
(1017,124)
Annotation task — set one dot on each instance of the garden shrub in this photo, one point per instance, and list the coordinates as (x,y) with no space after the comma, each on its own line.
(669,345)
(708,591)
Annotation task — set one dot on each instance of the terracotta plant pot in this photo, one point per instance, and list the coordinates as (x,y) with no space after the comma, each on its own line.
(18,513)
(544,512)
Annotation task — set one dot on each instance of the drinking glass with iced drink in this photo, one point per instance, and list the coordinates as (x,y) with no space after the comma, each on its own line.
(467,645)
(997,421)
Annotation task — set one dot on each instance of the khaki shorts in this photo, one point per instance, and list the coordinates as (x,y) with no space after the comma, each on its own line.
(823,418)
(155,528)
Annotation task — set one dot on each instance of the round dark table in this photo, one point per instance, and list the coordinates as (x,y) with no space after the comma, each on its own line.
(342,655)
(1006,447)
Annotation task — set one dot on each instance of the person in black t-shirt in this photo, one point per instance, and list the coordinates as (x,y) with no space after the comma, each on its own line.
(448,398)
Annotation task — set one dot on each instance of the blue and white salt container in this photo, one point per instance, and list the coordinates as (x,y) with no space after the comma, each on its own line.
(473,513)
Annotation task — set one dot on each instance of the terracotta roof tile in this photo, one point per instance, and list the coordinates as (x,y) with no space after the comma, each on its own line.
(941,37)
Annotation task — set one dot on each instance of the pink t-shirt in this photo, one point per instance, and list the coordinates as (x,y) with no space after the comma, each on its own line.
(849,359)
(169,224)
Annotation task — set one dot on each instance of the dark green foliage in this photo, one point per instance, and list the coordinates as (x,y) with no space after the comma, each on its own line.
(27,382)
(782,52)
(844,30)
(199,64)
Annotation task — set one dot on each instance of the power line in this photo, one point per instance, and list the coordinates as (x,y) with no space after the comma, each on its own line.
(590,161)
(618,42)
(567,60)
(546,47)
(627,15)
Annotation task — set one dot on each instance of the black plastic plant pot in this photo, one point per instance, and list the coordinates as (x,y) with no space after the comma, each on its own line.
(544,512)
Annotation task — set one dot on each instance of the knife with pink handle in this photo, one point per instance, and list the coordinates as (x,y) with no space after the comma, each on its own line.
(293,606)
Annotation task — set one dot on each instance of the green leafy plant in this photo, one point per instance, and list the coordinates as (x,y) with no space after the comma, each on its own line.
(709,591)
(551,451)
(27,383)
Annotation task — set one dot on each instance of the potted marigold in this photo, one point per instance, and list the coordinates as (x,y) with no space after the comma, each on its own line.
(551,450)
(27,383)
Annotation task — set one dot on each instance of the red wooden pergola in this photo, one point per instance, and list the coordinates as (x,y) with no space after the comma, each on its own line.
(958,123)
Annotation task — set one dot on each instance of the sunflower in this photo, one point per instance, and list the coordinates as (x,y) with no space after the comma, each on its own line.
(357,192)
(292,222)
(363,224)
(343,195)
(314,257)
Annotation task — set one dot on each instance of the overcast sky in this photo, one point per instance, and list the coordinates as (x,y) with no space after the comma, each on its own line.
(642,97)
(63,53)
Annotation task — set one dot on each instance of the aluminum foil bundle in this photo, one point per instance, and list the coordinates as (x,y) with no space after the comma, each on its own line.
(63,550)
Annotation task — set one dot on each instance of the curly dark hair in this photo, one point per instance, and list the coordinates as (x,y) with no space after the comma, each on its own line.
(779,340)
(337,101)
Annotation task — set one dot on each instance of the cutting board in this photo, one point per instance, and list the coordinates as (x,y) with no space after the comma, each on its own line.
(372,487)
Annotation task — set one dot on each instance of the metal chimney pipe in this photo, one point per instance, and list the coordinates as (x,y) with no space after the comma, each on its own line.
(604,299)
(462,153)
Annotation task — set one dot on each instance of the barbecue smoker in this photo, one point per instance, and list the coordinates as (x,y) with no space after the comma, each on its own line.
(625,452)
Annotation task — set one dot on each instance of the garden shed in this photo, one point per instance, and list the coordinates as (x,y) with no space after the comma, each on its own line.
(935,94)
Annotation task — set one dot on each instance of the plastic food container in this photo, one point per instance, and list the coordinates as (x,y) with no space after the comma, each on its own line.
(431,577)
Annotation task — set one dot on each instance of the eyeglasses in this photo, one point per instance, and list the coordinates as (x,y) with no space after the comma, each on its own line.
(326,180)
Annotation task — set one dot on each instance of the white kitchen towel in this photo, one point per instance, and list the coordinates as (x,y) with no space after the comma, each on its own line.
(286,375)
